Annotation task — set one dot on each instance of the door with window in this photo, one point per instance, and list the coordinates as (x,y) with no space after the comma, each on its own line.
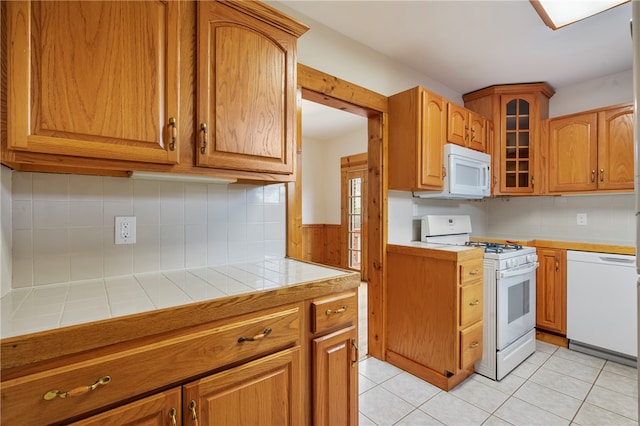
(354,214)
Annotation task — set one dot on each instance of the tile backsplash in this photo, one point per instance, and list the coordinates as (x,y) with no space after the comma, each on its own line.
(63,226)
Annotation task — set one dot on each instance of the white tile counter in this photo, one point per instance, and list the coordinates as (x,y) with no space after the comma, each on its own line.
(49,307)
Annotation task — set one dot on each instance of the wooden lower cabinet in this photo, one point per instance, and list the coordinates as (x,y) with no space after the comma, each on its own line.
(551,290)
(265,391)
(163,408)
(335,377)
(434,312)
(334,358)
(290,364)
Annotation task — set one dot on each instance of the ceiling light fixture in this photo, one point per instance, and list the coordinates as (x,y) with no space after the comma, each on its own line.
(558,13)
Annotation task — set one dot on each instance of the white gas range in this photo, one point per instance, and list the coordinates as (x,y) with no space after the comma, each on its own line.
(509,314)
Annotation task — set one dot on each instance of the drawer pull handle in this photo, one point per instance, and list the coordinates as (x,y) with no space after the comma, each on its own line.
(337,311)
(262,335)
(474,303)
(474,272)
(53,394)
(192,408)
(203,146)
(174,133)
(354,361)
(474,345)
(172,416)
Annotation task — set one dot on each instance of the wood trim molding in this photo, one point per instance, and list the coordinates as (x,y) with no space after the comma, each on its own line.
(328,90)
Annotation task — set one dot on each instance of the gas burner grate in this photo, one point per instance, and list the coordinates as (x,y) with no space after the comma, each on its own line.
(494,247)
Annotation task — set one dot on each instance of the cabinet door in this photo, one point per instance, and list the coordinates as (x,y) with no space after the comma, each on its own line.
(477,132)
(615,148)
(94,79)
(573,153)
(517,144)
(161,409)
(551,290)
(457,126)
(335,378)
(433,134)
(246,92)
(266,391)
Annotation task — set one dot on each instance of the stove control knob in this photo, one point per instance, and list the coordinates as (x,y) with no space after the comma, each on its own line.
(532,258)
(512,263)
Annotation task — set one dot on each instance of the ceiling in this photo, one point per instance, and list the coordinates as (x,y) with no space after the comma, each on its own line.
(468,45)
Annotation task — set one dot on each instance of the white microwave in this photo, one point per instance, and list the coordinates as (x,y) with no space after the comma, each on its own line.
(467,174)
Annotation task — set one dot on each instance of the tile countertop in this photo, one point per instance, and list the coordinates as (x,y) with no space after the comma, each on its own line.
(43,308)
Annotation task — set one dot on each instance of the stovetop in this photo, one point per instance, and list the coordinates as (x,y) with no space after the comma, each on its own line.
(495,247)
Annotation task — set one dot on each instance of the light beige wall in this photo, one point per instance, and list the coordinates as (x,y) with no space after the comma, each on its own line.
(321,174)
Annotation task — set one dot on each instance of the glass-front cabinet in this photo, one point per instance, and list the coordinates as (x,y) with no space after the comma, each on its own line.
(517,111)
(517,151)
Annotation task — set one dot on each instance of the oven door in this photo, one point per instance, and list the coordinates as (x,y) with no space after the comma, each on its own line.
(516,304)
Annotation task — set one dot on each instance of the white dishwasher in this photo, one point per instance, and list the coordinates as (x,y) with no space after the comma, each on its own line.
(602,306)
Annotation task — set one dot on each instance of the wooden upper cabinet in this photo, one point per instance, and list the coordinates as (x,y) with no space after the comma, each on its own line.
(457,124)
(516,111)
(94,79)
(466,128)
(417,134)
(573,153)
(591,151)
(246,87)
(477,132)
(615,148)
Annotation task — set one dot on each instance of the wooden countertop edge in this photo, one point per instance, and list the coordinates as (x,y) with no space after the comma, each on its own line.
(567,245)
(434,253)
(51,344)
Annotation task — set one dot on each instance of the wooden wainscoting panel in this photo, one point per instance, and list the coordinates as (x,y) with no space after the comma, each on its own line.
(321,244)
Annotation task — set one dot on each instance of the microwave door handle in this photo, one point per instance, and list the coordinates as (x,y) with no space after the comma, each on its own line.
(485,176)
(518,271)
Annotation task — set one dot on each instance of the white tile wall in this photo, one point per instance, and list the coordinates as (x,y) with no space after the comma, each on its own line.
(610,217)
(63,226)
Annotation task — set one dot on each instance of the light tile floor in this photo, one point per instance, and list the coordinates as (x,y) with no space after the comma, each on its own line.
(554,386)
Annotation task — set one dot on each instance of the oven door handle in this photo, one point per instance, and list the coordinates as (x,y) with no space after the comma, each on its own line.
(519,271)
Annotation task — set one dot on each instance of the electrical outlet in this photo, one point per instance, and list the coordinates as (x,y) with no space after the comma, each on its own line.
(125,230)
(581,219)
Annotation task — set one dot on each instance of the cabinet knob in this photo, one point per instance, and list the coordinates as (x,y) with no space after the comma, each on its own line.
(593,175)
(474,303)
(601,175)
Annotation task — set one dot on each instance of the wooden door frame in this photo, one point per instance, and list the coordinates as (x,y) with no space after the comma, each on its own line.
(331,91)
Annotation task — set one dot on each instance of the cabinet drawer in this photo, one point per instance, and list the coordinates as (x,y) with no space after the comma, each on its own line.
(470,271)
(146,367)
(470,345)
(471,301)
(334,311)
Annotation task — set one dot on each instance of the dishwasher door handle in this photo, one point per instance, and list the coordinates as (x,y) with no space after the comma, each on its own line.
(617,260)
